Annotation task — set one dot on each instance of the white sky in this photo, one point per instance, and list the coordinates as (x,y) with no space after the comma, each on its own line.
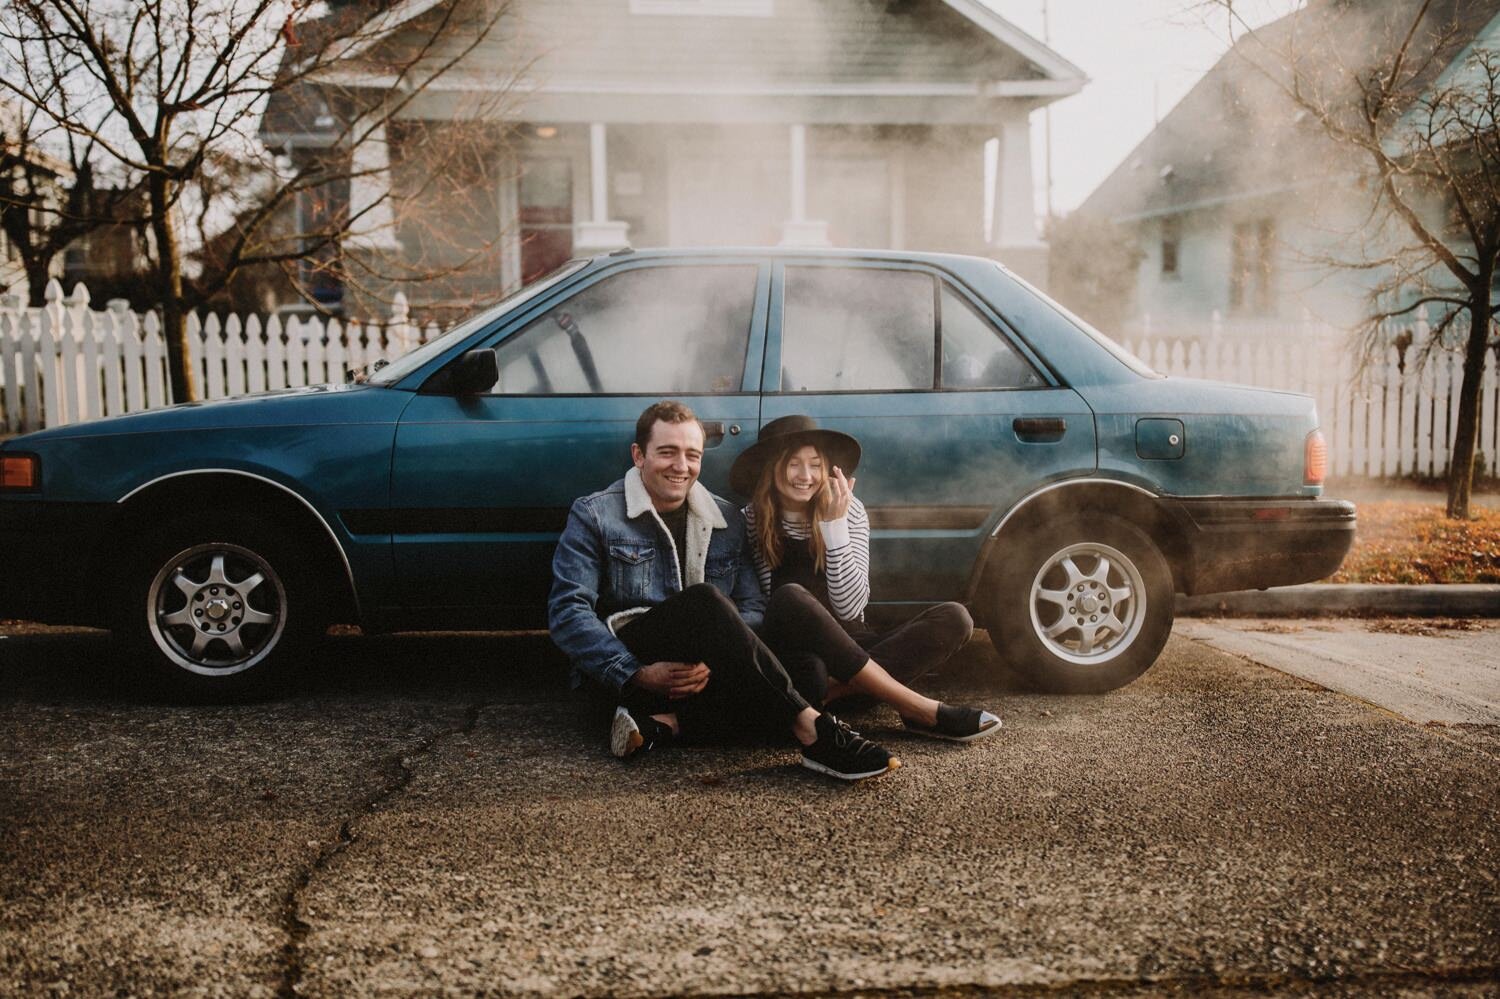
(1141,57)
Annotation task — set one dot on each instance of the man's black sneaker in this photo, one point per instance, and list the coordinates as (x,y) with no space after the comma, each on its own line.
(843,753)
(628,736)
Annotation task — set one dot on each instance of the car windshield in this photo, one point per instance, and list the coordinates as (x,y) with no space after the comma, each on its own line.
(1120,354)
(407,363)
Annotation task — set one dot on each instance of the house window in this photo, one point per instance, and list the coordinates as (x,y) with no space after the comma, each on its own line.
(1171,237)
(1265,264)
(705,8)
(76,262)
(1252,266)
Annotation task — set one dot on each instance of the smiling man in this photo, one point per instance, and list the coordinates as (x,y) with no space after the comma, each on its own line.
(654,599)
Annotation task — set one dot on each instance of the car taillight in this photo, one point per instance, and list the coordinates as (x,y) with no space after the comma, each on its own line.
(21,473)
(1314,459)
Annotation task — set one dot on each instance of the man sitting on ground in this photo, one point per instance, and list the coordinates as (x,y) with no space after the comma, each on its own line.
(654,598)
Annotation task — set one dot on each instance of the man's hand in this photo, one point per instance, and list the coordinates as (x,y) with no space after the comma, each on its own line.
(674,680)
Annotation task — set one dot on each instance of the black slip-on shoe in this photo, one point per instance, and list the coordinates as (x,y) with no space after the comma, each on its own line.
(844,754)
(628,736)
(957,724)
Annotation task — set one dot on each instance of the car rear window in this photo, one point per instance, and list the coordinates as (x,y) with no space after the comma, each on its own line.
(875,329)
(975,354)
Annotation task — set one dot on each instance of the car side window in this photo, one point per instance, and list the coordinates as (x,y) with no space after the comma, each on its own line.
(849,329)
(976,354)
(644,331)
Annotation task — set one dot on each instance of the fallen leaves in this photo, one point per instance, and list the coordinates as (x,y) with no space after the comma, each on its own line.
(1425,627)
(1399,542)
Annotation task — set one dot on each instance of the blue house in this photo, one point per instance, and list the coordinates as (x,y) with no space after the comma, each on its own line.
(1242,204)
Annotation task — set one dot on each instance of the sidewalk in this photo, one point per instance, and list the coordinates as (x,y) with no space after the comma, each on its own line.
(1315,599)
(1444,674)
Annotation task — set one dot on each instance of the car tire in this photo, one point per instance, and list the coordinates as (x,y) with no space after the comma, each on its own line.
(1085,606)
(217,612)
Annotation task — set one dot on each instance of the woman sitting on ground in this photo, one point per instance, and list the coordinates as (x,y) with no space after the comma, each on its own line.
(811,544)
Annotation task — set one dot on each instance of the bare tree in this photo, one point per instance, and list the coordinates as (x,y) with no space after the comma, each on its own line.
(169,95)
(1398,87)
(48,196)
(1093,264)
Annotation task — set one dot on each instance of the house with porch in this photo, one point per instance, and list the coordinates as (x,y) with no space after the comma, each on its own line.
(1243,207)
(590,125)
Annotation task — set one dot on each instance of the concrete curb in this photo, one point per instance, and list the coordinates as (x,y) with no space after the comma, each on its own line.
(1312,599)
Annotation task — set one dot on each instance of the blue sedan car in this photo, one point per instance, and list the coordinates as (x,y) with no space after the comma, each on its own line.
(1015,459)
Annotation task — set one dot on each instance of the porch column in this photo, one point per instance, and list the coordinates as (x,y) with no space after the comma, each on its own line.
(599,234)
(1015,240)
(372,225)
(799,230)
(510,232)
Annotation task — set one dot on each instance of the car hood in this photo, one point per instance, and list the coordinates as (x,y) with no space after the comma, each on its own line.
(313,405)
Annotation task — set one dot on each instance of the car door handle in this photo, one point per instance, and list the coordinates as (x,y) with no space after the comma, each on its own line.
(1039,430)
(713,432)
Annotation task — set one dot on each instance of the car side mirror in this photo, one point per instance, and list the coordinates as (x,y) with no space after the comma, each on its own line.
(476,371)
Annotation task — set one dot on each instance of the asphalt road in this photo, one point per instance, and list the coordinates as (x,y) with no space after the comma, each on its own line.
(431,814)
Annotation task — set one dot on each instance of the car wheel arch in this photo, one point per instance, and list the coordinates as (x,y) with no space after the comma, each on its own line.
(1128,501)
(266,498)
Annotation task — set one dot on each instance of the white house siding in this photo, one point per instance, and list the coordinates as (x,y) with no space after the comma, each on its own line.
(695,120)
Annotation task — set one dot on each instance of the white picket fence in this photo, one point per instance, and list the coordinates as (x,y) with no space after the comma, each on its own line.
(66,362)
(1392,418)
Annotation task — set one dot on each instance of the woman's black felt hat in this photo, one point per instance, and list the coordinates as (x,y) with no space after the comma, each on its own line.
(791,432)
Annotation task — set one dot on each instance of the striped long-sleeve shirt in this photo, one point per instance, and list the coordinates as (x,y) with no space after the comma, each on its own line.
(846,565)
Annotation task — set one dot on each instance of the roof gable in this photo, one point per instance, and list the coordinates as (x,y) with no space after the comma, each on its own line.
(924,41)
(1236,134)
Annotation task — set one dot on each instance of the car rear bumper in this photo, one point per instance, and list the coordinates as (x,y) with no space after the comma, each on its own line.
(1250,544)
(49,551)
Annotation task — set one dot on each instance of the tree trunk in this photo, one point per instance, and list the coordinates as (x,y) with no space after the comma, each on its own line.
(37,276)
(1466,435)
(169,291)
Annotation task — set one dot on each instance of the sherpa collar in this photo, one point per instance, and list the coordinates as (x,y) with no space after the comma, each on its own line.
(704,517)
(700,501)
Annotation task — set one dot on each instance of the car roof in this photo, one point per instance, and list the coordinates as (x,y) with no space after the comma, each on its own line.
(831,252)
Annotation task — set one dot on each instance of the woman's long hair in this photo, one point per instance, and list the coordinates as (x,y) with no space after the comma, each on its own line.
(767,504)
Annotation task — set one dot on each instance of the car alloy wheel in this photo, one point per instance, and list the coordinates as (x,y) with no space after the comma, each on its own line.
(216,609)
(1081,603)
(1088,603)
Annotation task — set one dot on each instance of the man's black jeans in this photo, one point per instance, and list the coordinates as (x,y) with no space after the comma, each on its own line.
(748,690)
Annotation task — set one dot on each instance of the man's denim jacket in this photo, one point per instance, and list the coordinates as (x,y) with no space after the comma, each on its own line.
(616,559)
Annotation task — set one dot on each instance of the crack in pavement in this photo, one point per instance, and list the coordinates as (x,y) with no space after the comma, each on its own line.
(402,772)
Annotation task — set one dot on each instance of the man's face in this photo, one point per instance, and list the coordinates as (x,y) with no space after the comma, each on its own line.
(670,461)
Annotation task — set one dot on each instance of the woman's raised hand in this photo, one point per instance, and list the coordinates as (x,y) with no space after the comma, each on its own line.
(840,492)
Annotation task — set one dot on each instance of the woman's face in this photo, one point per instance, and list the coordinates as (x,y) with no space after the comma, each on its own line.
(800,476)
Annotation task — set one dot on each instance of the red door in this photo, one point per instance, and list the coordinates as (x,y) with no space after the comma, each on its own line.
(546,203)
